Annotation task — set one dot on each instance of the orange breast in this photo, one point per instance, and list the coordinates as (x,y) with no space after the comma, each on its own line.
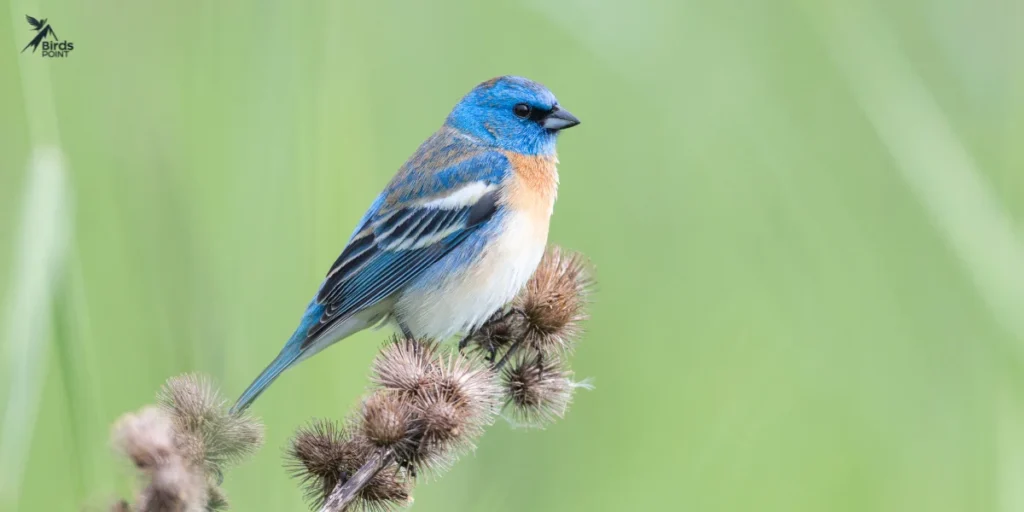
(533,187)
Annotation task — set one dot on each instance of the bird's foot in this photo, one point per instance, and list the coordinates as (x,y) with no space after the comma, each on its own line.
(464,342)
(508,355)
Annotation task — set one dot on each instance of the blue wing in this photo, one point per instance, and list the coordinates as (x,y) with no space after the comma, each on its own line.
(448,189)
(402,238)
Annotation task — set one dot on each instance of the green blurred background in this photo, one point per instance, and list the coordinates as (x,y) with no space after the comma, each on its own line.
(805,217)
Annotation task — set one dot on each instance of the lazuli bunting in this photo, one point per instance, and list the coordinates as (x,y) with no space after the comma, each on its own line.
(454,235)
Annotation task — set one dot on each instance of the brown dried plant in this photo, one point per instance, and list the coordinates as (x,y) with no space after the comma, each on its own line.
(427,406)
(182,446)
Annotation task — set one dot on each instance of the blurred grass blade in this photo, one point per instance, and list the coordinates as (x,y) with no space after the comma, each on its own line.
(38,264)
(934,162)
(1009,454)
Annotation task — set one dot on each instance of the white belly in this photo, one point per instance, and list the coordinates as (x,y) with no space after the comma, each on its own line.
(460,300)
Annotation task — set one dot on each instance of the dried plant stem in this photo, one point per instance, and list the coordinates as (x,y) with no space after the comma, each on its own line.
(346,492)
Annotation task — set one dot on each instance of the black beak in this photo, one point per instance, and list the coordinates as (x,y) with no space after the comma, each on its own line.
(559,119)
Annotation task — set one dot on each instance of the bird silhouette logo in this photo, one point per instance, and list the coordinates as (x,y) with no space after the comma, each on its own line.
(43,29)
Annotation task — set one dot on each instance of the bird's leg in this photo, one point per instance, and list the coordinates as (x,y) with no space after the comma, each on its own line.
(464,342)
(492,353)
(514,311)
(508,355)
(498,316)
(489,347)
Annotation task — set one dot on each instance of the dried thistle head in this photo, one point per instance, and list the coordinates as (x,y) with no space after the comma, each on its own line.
(387,419)
(324,454)
(441,432)
(460,399)
(470,384)
(176,487)
(553,301)
(405,364)
(538,389)
(182,444)
(207,432)
(430,407)
(191,400)
(149,439)
(146,437)
(389,490)
(216,499)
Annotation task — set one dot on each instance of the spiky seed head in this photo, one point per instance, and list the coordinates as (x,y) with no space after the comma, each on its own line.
(450,412)
(538,389)
(554,299)
(324,454)
(207,432)
(440,427)
(321,455)
(389,490)
(234,438)
(450,398)
(217,500)
(469,383)
(387,419)
(176,486)
(405,364)
(191,400)
(146,437)
(443,417)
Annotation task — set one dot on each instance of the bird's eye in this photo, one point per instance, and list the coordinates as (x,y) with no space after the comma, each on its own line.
(522,110)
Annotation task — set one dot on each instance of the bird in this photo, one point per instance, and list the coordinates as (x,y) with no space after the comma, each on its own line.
(455,234)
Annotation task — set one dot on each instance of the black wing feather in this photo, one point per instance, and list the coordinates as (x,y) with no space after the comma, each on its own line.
(366,272)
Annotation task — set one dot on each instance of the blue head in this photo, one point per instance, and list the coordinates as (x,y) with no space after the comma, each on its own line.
(512,113)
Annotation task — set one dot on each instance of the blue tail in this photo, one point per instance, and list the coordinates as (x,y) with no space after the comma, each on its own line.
(291,353)
(300,347)
(288,355)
